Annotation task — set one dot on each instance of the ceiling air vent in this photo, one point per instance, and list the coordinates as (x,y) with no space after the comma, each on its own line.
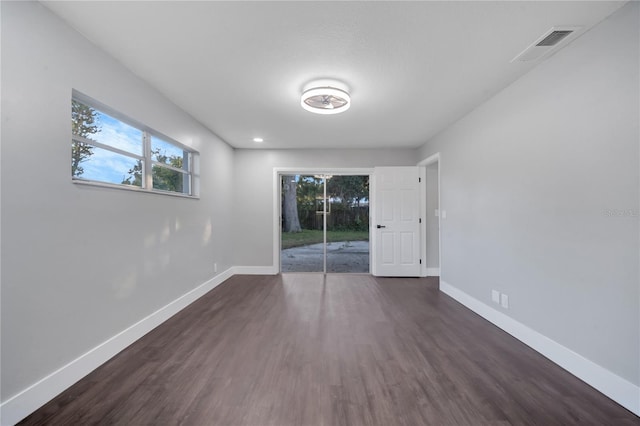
(550,41)
(554,38)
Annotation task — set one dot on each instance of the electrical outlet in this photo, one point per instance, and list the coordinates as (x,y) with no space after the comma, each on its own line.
(215,267)
(504,301)
(495,296)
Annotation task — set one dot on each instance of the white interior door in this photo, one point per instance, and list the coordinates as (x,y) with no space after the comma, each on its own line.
(396,222)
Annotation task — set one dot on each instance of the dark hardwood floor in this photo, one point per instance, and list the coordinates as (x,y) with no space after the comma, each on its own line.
(301,349)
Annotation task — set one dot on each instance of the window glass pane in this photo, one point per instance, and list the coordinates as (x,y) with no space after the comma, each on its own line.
(93,124)
(168,153)
(106,166)
(170,180)
(107,149)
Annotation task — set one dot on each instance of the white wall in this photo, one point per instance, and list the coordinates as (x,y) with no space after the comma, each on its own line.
(527,180)
(253,204)
(80,263)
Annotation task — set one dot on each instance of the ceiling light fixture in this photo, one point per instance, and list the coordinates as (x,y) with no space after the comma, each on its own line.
(258,140)
(325,100)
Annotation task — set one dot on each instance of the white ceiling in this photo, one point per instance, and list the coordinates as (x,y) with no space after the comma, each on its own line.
(412,68)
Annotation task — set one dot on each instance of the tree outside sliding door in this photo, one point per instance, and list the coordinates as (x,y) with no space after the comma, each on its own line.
(325,223)
(302,239)
(348,224)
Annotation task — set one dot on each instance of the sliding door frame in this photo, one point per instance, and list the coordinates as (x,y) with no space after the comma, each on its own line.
(278,172)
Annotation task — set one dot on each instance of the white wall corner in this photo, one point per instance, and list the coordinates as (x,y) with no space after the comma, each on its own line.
(433,272)
(613,386)
(30,399)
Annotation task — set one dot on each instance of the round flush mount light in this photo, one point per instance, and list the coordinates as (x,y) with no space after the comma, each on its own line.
(258,140)
(325,100)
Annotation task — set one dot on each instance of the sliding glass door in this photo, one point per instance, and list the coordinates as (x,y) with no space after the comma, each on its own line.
(302,236)
(348,224)
(324,223)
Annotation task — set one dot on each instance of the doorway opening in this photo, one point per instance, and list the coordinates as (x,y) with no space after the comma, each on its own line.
(432,214)
(324,223)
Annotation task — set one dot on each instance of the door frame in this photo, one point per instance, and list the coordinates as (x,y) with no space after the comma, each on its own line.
(278,172)
(432,159)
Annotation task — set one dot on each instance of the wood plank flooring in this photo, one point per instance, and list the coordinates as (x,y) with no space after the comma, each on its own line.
(302,349)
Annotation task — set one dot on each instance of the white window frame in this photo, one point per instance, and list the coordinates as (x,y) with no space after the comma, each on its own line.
(147,161)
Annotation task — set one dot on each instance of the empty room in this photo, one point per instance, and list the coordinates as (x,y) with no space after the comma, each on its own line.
(320,213)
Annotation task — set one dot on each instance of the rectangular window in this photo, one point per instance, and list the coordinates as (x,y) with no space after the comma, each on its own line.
(110,149)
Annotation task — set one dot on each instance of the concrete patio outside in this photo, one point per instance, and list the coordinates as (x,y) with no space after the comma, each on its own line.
(344,256)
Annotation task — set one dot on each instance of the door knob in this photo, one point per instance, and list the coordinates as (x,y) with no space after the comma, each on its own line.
(380,226)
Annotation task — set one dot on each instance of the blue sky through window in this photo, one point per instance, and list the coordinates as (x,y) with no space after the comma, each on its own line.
(104,165)
(107,166)
(119,135)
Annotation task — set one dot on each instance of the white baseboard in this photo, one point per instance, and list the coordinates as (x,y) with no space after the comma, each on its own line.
(433,272)
(24,403)
(254,270)
(615,387)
